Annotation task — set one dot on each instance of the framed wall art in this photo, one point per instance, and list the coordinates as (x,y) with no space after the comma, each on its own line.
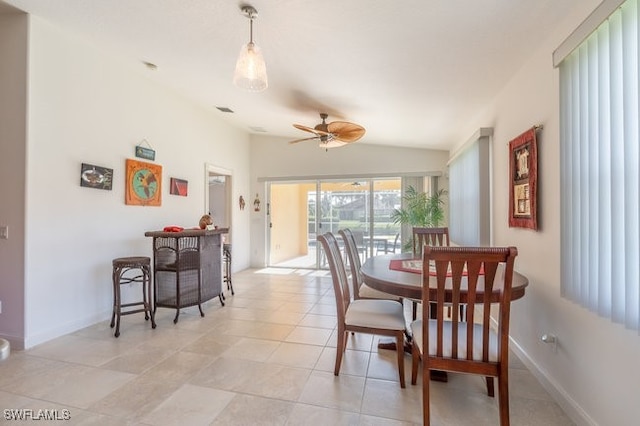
(178,187)
(523,180)
(143,183)
(92,176)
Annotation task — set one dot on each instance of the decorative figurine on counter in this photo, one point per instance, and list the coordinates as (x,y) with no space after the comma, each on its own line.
(241,202)
(256,204)
(206,222)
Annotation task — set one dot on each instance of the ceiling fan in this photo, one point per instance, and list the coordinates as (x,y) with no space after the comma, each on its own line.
(332,135)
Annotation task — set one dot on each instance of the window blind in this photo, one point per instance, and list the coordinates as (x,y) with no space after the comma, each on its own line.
(600,182)
(469,196)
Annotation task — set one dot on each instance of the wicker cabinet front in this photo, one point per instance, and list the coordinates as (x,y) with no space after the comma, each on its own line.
(187,269)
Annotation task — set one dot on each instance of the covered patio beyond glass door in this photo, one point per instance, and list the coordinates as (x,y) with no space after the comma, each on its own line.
(302,210)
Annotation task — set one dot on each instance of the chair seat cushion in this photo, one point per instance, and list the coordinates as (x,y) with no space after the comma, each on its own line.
(371,293)
(416,329)
(384,314)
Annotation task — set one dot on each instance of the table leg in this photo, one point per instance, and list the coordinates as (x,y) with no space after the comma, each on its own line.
(436,375)
(391,345)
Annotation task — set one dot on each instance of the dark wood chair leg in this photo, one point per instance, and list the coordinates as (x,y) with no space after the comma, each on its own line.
(415,362)
(503,402)
(339,351)
(426,418)
(490,388)
(400,352)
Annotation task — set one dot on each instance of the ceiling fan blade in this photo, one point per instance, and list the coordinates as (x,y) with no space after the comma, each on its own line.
(310,130)
(305,139)
(305,128)
(345,131)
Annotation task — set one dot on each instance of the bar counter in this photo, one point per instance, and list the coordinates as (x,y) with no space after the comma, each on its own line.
(187,268)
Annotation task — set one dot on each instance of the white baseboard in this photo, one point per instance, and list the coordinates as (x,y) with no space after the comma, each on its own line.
(67,328)
(564,400)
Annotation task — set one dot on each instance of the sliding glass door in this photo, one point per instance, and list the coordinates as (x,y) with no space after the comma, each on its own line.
(386,234)
(302,210)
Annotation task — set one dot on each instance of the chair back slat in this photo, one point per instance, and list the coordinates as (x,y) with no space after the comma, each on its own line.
(434,237)
(456,269)
(490,272)
(338,273)
(472,269)
(351,248)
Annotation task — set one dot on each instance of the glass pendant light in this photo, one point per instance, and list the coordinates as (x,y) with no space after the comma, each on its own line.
(251,71)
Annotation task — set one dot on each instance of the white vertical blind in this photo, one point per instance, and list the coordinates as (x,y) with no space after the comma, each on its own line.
(469,196)
(600,159)
(464,191)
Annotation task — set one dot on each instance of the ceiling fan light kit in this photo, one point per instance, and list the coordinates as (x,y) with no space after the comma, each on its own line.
(332,135)
(251,71)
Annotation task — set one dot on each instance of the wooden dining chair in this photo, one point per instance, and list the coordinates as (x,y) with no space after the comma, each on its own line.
(466,275)
(434,237)
(371,316)
(358,287)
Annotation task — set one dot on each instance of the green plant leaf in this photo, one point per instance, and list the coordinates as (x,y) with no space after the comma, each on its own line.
(420,210)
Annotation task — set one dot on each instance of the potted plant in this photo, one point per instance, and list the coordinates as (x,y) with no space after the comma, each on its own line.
(420,209)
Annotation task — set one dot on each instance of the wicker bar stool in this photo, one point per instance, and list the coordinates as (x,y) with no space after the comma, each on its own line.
(128,270)
(226,257)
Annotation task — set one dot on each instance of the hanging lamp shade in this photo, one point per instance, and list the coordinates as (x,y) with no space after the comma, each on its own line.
(251,71)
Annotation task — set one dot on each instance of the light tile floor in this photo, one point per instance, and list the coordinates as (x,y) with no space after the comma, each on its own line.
(266,358)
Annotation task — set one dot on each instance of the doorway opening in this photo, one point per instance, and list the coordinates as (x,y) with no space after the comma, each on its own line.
(218,196)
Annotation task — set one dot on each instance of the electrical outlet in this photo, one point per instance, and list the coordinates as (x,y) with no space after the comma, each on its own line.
(0,306)
(4,232)
(551,339)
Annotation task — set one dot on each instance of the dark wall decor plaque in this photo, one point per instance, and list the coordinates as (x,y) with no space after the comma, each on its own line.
(146,153)
(92,176)
(523,180)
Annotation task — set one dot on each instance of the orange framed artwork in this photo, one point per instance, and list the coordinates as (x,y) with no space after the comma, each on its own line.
(523,181)
(143,183)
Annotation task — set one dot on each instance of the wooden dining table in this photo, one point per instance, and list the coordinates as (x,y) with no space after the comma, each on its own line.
(376,273)
(407,283)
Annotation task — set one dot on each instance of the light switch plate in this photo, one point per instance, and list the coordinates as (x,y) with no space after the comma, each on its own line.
(4,232)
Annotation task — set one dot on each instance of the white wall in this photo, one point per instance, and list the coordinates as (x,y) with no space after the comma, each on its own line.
(87,107)
(13,128)
(273,157)
(592,372)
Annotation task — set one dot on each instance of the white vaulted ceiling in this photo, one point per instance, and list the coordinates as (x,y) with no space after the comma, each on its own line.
(411,72)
